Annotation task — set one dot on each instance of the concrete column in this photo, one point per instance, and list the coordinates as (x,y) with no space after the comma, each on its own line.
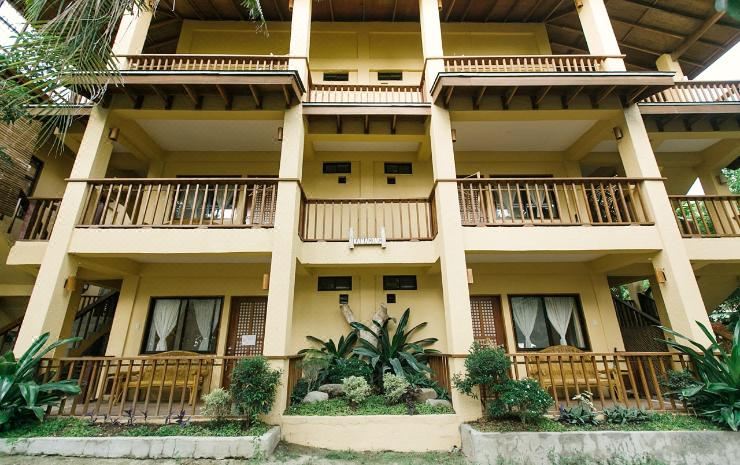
(49,301)
(599,33)
(680,293)
(279,322)
(123,316)
(132,33)
(666,62)
(709,180)
(453,265)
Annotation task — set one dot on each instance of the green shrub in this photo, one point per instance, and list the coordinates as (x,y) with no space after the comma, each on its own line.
(299,391)
(356,390)
(422,380)
(524,399)
(217,404)
(346,367)
(253,387)
(485,366)
(21,396)
(717,395)
(313,366)
(620,415)
(394,388)
(581,414)
(676,381)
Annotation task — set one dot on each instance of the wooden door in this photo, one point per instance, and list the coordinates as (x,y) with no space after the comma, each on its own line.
(246,329)
(488,319)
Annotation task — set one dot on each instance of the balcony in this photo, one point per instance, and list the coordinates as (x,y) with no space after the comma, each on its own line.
(695,96)
(538,77)
(707,216)
(552,202)
(39,217)
(163,77)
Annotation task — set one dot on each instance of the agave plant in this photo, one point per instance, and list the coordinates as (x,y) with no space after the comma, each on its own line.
(20,393)
(341,349)
(396,352)
(717,395)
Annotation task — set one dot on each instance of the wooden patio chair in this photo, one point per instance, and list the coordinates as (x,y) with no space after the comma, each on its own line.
(568,372)
(167,375)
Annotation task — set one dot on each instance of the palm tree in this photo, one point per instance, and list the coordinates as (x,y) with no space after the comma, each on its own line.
(50,55)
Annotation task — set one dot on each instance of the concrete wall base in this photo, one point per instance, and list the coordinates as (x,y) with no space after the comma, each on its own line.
(673,447)
(401,433)
(246,447)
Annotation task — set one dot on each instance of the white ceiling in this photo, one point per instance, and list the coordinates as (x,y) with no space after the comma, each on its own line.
(532,257)
(685,145)
(518,136)
(364,146)
(213,135)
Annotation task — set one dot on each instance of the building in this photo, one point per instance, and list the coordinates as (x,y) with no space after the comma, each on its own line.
(496,166)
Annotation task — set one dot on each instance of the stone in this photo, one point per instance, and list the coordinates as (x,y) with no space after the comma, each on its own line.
(334,390)
(438,403)
(315,396)
(426,394)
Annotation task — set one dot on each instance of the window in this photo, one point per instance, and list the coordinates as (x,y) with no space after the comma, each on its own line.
(338,167)
(528,201)
(341,76)
(213,201)
(390,76)
(544,321)
(398,168)
(335,283)
(30,180)
(183,323)
(399,283)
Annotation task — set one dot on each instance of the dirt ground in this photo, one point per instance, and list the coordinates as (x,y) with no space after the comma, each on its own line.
(285,454)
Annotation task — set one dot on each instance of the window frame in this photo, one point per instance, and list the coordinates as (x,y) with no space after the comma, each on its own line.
(397,165)
(331,76)
(550,330)
(334,288)
(390,75)
(180,322)
(336,164)
(400,277)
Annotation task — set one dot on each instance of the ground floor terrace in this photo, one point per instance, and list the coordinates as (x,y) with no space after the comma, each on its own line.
(154,342)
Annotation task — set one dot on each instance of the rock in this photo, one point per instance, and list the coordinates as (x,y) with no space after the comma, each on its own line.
(315,396)
(426,394)
(438,403)
(334,390)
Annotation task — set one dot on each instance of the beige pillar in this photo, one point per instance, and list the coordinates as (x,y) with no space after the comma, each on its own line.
(666,62)
(49,301)
(453,265)
(710,182)
(122,318)
(599,33)
(132,33)
(680,292)
(279,320)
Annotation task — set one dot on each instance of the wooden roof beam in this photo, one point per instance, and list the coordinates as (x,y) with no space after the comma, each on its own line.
(552,11)
(166,99)
(531,11)
(194,97)
(691,40)
(279,11)
(228,99)
(255,96)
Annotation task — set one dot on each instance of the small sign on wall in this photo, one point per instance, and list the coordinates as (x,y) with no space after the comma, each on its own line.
(249,340)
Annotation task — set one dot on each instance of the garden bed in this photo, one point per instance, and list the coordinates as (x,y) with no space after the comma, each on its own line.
(373,405)
(81,438)
(537,448)
(657,422)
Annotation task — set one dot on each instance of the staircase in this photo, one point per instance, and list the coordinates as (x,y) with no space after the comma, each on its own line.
(640,326)
(93,323)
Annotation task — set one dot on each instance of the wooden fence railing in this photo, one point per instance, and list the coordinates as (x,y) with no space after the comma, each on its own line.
(526,64)
(365,94)
(184,62)
(698,92)
(178,203)
(551,202)
(400,219)
(39,216)
(632,379)
(707,215)
(95,317)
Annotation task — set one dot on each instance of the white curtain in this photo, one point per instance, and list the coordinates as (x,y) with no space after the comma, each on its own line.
(164,321)
(525,315)
(204,316)
(559,312)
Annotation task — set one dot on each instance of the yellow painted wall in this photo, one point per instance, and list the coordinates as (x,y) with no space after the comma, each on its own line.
(368,179)
(233,37)
(57,166)
(506,279)
(511,163)
(318,314)
(240,164)
(495,39)
(190,280)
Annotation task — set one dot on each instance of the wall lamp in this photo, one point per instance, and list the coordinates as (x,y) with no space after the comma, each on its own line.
(280,133)
(113,134)
(618,133)
(454,135)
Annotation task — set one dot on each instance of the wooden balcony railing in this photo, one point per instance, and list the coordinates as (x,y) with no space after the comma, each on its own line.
(39,216)
(180,203)
(365,94)
(182,62)
(707,215)
(526,64)
(699,92)
(9,334)
(397,219)
(551,202)
(632,379)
